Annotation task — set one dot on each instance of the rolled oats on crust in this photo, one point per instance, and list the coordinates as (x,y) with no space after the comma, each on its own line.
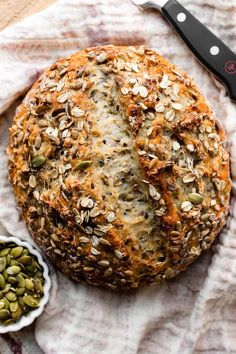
(119,167)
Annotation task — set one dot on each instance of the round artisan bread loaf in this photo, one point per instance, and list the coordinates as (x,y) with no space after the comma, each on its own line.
(119,167)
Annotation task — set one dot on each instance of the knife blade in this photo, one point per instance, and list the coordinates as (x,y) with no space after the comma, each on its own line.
(205,45)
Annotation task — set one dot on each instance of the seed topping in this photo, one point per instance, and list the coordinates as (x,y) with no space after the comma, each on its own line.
(77,112)
(195,198)
(143,91)
(21,283)
(62,98)
(111,216)
(38,161)
(186,206)
(190,177)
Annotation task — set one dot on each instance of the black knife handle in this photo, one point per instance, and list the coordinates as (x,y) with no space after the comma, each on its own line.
(208,49)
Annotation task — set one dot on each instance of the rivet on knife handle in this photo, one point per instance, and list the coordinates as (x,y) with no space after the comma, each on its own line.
(209,49)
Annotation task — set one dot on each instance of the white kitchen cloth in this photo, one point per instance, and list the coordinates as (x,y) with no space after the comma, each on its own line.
(194,313)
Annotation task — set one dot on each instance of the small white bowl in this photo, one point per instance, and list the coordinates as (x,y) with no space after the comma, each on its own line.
(26,321)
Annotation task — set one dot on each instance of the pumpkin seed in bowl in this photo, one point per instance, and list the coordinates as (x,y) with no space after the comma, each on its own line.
(23,280)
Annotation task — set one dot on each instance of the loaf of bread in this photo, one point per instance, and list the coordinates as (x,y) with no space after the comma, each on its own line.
(119,167)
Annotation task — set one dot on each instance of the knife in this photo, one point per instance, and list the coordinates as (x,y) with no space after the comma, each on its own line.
(207,48)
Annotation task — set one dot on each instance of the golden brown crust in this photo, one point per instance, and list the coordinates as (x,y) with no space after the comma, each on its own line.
(119,167)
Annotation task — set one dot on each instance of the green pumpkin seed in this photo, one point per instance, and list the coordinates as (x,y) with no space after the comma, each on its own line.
(6,289)
(20,291)
(39,274)
(38,161)
(12,280)
(195,198)
(4,314)
(21,303)
(26,260)
(21,281)
(13,270)
(29,284)
(25,252)
(2,282)
(4,252)
(41,279)
(40,287)
(83,165)
(31,301)
(23,274)
(39,267)
(8,322)
(14,306)
(16,252)
(13,262)
(8,259)
(16,314)
(5,275)
(11,244)
(36,285)
(31,269)
(11,296)
(7,303)
(3,263)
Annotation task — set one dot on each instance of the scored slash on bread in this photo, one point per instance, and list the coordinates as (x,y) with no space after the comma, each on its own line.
(119,167)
